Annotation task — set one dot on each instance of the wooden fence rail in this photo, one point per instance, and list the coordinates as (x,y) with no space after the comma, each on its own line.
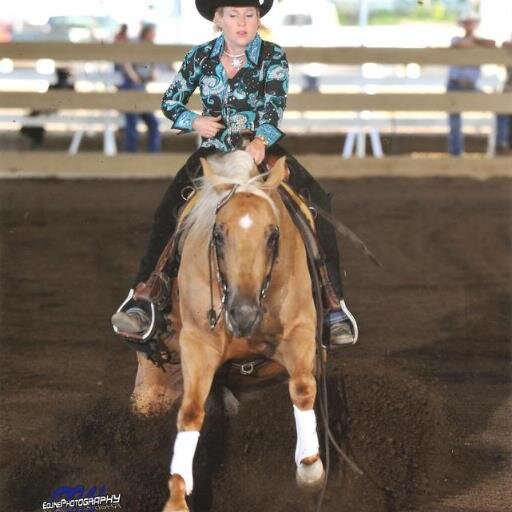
(143,52)
(97,165)
(139,101)
(14,164)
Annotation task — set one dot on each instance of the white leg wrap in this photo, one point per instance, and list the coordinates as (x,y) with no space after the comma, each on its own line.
(307,438)
(183,457)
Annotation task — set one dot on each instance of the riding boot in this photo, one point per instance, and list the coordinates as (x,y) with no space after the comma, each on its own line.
(149,298)
(134,321)
(142,315)
(342,324)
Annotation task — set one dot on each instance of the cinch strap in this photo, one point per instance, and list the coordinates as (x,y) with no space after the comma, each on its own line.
(183,457)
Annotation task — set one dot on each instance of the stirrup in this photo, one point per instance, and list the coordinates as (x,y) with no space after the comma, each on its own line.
(353,327)
(150,331)
(352,320)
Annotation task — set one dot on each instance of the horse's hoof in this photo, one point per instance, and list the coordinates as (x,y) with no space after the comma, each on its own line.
(176,502)
(175,507)
(311,476)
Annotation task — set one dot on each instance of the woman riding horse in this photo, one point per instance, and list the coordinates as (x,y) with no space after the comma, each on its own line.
(243,82)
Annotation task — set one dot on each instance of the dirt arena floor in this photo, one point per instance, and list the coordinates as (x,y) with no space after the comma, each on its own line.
(426,408)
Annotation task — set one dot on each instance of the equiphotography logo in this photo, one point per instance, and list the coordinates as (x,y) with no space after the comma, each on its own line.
(78,499)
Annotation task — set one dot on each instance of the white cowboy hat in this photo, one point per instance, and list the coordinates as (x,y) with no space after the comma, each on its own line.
(468,15)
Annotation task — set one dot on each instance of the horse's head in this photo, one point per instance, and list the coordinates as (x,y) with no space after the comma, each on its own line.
(245,240)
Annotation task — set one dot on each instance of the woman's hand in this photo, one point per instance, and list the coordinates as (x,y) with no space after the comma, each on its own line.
(207,126)
(256,148)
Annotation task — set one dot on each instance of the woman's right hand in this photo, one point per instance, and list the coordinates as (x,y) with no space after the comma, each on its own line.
(207,126)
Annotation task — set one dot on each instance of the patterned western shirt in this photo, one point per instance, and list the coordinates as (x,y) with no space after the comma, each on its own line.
(254,99)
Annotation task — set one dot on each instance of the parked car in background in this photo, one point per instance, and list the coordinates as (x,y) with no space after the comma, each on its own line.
(82,28)
(304,23)
(75,29)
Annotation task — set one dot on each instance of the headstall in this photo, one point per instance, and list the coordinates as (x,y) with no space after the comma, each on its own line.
(213,258)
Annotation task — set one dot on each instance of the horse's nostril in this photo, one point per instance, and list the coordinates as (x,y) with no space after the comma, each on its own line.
(248,310)
(243,316)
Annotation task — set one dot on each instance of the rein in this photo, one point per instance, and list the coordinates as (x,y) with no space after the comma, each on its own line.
(323,394)
(213,316)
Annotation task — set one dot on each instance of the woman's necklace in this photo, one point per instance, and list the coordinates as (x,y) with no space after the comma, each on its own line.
(236,60)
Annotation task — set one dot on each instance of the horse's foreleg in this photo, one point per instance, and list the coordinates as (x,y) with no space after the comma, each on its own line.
(298,358)
(199,364)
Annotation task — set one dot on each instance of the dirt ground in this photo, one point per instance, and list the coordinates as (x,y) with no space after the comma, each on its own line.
(422,403)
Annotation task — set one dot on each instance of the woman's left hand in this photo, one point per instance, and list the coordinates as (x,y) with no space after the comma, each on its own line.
(256,148)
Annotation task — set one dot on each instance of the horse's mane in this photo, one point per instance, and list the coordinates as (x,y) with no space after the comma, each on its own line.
(234,168)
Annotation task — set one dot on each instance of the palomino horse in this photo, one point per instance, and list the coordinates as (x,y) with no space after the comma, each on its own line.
(242,254)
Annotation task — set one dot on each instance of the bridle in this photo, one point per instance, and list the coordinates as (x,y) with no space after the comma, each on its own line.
(213,260)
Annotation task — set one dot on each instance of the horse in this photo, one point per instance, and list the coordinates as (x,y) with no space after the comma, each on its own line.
(244,290)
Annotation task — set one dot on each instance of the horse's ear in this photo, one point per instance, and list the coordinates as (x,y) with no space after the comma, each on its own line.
(277,174)
(208,172)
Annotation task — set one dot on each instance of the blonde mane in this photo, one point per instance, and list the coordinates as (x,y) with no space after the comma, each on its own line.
(231,169)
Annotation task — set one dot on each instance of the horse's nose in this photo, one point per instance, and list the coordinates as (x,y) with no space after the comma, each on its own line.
(243,316)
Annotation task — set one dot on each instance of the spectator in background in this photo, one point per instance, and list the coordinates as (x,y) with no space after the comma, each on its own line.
(503,121)
(135,77)
(36,134)
(122,34)
(464,78)
(121,37)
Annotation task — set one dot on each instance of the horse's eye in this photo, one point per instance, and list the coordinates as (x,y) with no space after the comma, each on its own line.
(218,237)
(273,238)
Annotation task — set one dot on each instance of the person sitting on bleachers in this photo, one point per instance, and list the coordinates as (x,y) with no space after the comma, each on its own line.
(36,134)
